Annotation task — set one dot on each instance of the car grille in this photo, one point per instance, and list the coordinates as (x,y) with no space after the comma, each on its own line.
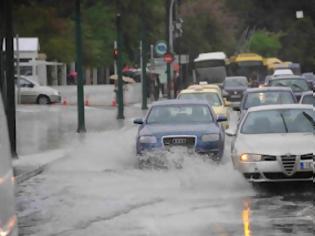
(309,156)
(279,175)
(235,96)
(288,164)
(179,141)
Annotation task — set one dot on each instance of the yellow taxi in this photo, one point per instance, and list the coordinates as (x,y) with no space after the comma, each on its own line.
(211,95)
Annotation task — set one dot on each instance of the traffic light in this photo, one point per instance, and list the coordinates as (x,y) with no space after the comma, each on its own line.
(178,27)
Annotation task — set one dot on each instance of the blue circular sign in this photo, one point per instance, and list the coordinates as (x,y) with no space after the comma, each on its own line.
(160,48)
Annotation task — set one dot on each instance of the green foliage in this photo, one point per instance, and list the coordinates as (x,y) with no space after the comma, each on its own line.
(264,43)
(209,25)
(300,44)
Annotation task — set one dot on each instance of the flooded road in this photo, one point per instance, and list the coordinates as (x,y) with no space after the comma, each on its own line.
(97,189)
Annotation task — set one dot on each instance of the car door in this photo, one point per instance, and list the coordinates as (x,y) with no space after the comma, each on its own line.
(28,91)
(7,199)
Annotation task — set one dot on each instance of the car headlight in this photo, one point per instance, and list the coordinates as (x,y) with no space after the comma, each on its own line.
(210,137)
(147,139)
(246,157)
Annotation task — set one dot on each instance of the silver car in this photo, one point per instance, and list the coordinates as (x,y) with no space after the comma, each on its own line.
(8,220)
(33,93)
(275,143)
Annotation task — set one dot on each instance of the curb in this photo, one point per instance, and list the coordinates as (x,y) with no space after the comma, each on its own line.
(29,174)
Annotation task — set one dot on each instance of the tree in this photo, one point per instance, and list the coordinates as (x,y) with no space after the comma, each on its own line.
(264,43)
(299,45)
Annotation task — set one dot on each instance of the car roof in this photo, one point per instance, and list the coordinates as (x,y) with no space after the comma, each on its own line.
(265,89)
(179,102)
(280,106)
(200,90)
(235,77)
(286,77)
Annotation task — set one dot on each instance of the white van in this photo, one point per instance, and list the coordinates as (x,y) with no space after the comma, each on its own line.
(8,219)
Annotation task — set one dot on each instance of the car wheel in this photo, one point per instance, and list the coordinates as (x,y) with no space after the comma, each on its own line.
(43,100)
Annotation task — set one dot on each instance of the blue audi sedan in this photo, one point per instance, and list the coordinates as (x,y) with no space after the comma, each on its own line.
(188,124)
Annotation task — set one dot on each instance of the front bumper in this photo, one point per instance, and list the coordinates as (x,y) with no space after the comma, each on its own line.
(273,171)
(209,148)
(55,98)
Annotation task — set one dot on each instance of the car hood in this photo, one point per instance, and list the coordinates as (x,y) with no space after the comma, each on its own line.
(46,90)
(235,89)
(184,129)
(276,144)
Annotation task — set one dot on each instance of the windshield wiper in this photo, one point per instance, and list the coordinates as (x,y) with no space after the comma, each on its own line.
(309,118)
(285,124)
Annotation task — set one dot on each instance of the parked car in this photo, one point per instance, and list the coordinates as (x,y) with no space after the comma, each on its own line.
(297,83)
(275,143)
(308,98)
(187,124)
(33,93)
(266,96)
(233,89)
(8,220)
(210,95)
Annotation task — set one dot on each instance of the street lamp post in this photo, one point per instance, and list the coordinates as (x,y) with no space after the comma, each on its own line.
(171,26)
(80,88)
(9,78)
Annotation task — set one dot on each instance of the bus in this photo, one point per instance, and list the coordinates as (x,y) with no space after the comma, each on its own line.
(250,65)
(210,67)
(270,64)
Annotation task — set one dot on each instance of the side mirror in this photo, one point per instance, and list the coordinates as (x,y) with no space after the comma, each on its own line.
(230,132)
(30,85)
(221,118)
(227,103)
(138,121)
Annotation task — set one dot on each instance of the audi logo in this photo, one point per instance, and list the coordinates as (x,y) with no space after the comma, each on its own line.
(179,141)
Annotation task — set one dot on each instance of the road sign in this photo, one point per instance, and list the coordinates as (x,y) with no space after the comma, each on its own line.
(168,57)
(160,48)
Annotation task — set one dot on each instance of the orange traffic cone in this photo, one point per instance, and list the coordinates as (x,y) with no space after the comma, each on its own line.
(87,103)
(114,102)
(64,102)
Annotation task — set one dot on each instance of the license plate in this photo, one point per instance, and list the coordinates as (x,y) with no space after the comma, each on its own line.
(306,165)
(235,96)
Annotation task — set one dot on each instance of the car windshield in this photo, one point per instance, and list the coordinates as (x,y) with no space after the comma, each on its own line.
(309,99)
(179,114)
(297,85)
(279,121)
(212,98)
(268,98)
(236,82)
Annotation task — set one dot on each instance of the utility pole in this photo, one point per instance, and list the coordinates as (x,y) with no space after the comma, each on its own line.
(143,61)
(120,92)
(80,82)
(9,76)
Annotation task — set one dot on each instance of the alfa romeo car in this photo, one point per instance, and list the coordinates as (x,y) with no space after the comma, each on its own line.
(275,143)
